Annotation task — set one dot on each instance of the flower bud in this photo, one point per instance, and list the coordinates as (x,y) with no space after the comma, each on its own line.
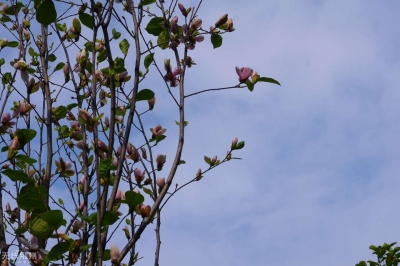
(80,144)
(126,231)
(81,206)
(85,117)
(228,155)
(183,10)
(196,24)
(152,102)
(234,143)
(145,210)
(160,182)
(198,174)
(120,195)
(167,65)
(222,20)
(66,72)
(114,253)
(161,159)
(8,207)
(144,153)
(157,131)
(77,226)
(30,85)
(139,175)
(3,42)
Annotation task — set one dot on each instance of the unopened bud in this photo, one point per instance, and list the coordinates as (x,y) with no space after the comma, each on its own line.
(160,182)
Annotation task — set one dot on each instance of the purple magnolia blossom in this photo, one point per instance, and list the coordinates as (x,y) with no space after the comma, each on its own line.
(244,73)
(189,39)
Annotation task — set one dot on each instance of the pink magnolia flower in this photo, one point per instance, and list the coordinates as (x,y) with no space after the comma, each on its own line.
(139,175)
(244,73)
(160,182)
(158,131)
(189,39)
(234,142)
(114,253)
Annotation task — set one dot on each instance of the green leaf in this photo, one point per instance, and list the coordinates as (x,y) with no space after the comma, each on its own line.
(144,94)
(60,200)
(116,34)
(77,25)
(106,255)
(124,46)
(110,218)
(25,159)
(32,197)
(270,80)
(17,175)
(2,61)
(86,20)
(12,44)
(61,27)
(20,230)
(146,2)
(163,40)
(147,191)
(39,227)
(60,112)
(207,159)
(59,66)
(56,251)
(53,218)
(5,19)
(46,13)
(32,52)
(52,57)
(216,40)
(104,167)
(7,78)
(13,10)
(63,132)
(154,26)
(132,199)
(250,85)
(71,106)
(148,60)
(25,136)
(239,146)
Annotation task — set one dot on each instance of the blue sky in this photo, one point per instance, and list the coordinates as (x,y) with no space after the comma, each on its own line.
(318,181)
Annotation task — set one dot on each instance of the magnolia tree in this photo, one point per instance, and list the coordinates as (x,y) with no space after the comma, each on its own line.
(73,77)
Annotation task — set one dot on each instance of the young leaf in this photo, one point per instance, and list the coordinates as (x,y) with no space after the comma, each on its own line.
(163,40)
(155,26)
(86,20)
(270,80)
(12,44)
(145,94)
(56,252)
(53,218)
(146,2)
(25,135)
(148,60)
(216,40)
(39,227)
(46,13)
(31,198)
(116,34)
(59,66)
(52,57)
(124,46)
(77,25)
(16,175)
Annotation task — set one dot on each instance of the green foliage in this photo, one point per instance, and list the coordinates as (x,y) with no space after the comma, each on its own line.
(46,12)
(387,255)
(216,40)
(144,95)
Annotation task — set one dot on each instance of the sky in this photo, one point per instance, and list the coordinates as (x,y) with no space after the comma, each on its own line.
(317,183)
